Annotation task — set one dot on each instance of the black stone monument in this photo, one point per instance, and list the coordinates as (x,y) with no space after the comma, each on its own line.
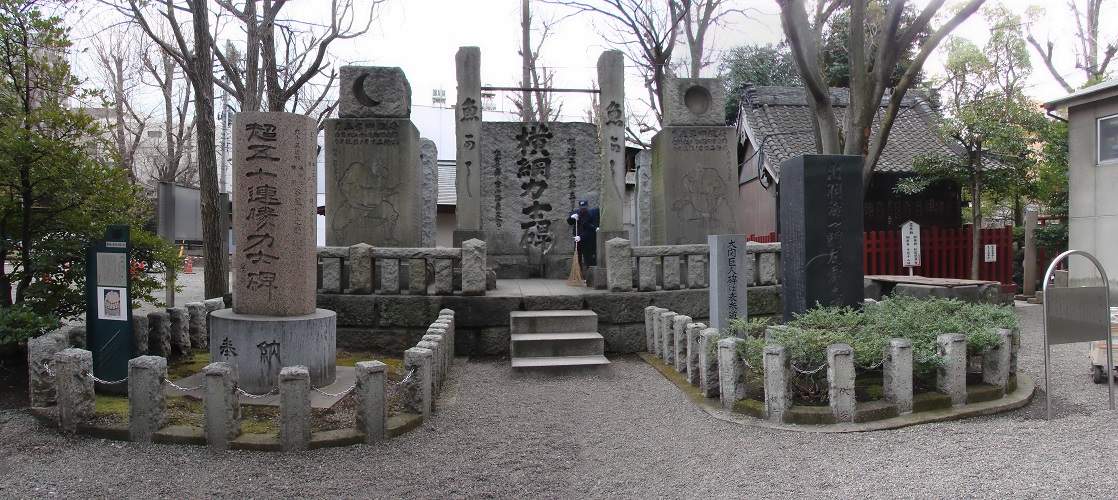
(821,232)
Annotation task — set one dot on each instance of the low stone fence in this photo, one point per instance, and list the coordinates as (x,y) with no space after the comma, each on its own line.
(664,267)
(363,269)
(62,391)
(714,364)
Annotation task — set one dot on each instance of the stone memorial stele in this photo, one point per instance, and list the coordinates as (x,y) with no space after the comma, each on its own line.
(468,146)
(727,279)
(532,178)
(821,232)
(694,166)
(274,322)
(373,172)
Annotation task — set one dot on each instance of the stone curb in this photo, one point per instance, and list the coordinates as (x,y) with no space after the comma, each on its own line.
(1022,396)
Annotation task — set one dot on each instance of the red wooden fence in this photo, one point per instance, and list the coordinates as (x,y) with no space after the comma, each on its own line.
(944,253)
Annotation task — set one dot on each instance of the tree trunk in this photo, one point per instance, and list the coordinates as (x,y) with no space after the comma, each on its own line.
(976,216)
(213,228)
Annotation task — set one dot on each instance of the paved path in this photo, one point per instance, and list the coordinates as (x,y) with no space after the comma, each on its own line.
(628,434)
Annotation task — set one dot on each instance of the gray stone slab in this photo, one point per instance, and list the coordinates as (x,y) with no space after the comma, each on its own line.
(467,131)
(159,334)
(619,275)
(840,379)
(671,267)
(147,400)
(74,387)
(694,184)
(694,346)
(646,273)
(644,197)
(951,378)
(731,372)
(40,355)
(373,182)
(361,268)
(679,342)
(295,408)
(728,297)
(429,196)
(331,274)
(180,330)
(140,331)
(473,267)
(372,400)
(389,276)
(995,362)
(373,92)
(897,374)
(274,169)
(417,276)
(444,277)
(778,396)
(673,250)
(417,390)
(196,324)
(221,405)
(697,269)
(611,128)
(694,101)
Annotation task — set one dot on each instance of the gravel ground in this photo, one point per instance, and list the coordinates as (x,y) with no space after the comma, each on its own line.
(630,433)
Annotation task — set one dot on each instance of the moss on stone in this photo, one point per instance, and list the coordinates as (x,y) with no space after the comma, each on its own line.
(751,407)
(186,366)
(113,407)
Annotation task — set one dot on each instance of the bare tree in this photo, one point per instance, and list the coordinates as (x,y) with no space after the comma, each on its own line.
(1088,57)
(646,30)
(698,18)
(193,52)
(871,66)
(543,106)
(177,135)
(118,71)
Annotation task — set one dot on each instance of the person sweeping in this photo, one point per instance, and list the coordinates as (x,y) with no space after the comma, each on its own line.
(584,221)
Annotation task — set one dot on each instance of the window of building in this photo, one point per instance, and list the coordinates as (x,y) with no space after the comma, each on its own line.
(1108,139)
(155,134)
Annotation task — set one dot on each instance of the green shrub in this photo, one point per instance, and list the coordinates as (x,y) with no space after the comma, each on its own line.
(19,323)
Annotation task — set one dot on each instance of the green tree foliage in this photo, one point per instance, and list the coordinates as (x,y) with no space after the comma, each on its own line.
(58,189)
(836,56)
(761,65)
(989,117)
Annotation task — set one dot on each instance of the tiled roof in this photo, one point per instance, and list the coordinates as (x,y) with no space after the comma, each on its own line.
(780,119)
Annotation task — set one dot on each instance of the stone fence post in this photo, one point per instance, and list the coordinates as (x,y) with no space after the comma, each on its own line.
(840,378)
(708,363)
(951,378)
(778,397)
(196,325)
(74,387)
(372,399)
(694,346)
(435,366)
(159,333)
(664,336)
(417,391)
(295,408)
(651,316)
(619,265)
(897,374)
(40,354)
(731,372)
(147,399)
(995,362)
(221,404)
(679,342)
(473,267)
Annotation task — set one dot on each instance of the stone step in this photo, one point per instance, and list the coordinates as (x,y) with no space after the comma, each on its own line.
(559,365)
(569,321)
(534,345)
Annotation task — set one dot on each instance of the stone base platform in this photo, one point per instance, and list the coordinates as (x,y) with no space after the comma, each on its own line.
(261,345)
(390,324)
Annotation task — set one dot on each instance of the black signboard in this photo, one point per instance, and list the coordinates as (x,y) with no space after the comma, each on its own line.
(108,311)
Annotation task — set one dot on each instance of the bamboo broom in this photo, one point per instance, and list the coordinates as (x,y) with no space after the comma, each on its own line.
(575,278)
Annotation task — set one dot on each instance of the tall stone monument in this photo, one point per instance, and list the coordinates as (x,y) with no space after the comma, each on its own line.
(694,165)
(467,126)
(533,175)
(373,173)
(611,82)
(274,322)
(821,232)
(727,279)
(429,156)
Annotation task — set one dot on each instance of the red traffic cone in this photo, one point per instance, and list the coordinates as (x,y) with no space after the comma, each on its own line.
(189,264)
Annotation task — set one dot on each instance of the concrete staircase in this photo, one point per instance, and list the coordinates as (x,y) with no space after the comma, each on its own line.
(556,342)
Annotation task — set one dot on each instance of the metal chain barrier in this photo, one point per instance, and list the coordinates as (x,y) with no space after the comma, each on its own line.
(255,396)
(874,367)
(181,388)
(46,367)
(327,394)
(99,381)
(812,372)
(749,366)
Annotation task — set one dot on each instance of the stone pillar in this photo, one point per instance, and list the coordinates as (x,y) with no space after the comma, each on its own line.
(75,335)
(195,325)
(821,232)
(778,397)
(446,323)
(694,330)
(141,329)
(995,362)
(214,304)
(361,269)
(444,277)
(221,405)
(768,267)
(295,408)
(159,334)
(72,369)
(389,276)
(473,267)
(664,337)
(1029,280)
(731,372)
(651,316)
(40,355)
(951,378)
(331,275)
(897,371)
(671,272)
(728,298)
(697,271)
(644,198)
(180,333)
(417,276)
(840,379)
(679,342)
(467,127)
(429,196)
(611,82)
(417,391)
(372,399)
(619,274)
(436,334)
(147,400)
(436,366)
(708,363)
(646,273)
